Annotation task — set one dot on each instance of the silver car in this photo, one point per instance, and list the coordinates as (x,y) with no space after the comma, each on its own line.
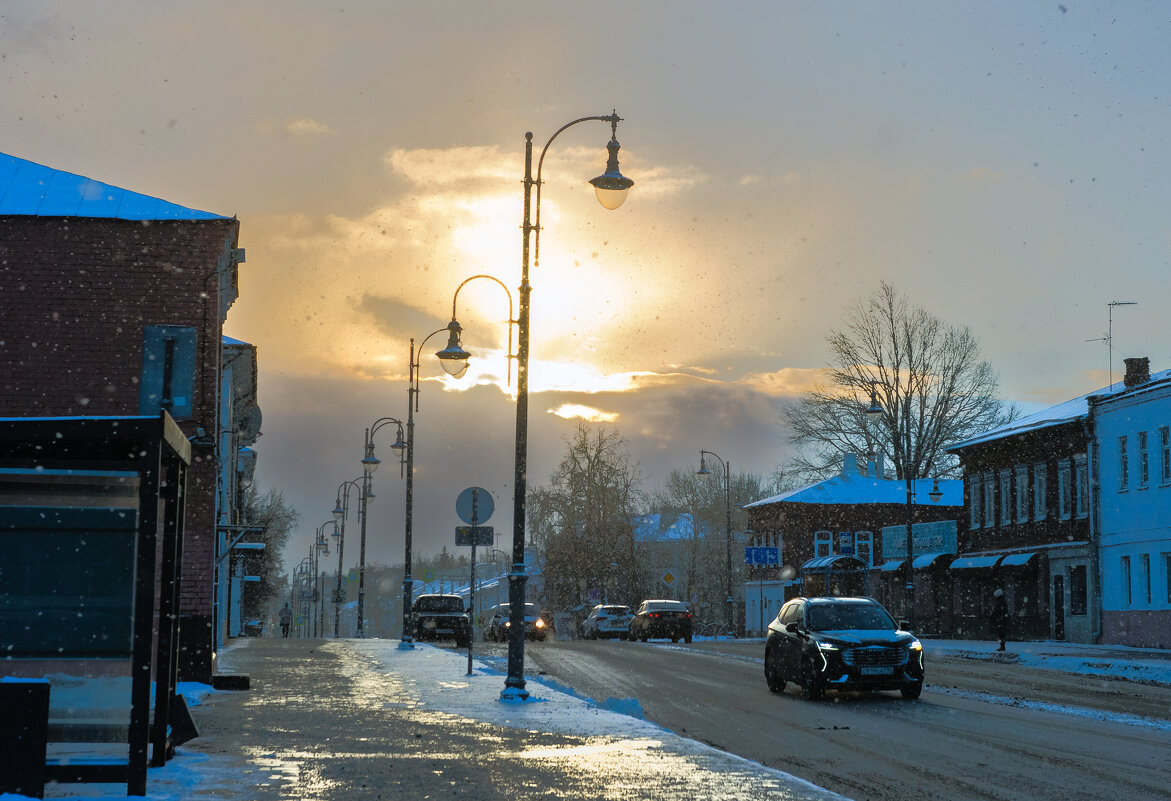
(607,620)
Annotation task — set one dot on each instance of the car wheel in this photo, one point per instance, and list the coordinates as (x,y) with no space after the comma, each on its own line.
(674,639)
(812,682)
(772,671)
(643,637)
(687,637)
(912,691)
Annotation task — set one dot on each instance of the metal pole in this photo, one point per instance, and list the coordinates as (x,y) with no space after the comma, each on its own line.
(408,637)
(909,587)
(337,590)
(361,632)
(728,540)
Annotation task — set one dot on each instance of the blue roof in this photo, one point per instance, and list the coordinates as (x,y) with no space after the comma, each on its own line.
(853,488)
(33,190)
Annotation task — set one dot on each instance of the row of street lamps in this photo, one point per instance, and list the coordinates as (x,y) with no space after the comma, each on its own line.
(610,189)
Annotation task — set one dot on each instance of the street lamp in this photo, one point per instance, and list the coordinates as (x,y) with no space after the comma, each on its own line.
(611,188)
(370,463)
(703,471)
(341,512)
(874,414)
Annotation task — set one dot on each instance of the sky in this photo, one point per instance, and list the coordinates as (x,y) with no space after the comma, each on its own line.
(1001,164)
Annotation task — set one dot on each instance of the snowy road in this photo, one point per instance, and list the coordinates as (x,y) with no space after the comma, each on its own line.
(974,734)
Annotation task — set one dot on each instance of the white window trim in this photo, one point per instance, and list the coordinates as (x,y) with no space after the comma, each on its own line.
(821,538)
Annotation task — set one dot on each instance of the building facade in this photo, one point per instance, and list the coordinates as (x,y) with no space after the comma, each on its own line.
(114,304)
(1133,429)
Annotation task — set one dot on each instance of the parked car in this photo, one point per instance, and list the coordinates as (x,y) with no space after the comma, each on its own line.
(841,644)
(661,618)
(536,627)
(442,617)
(607,620)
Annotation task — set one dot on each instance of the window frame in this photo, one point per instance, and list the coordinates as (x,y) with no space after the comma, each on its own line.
(1081,488)
(1040,491)
(866,537)
(819,541)
(1064,491)
(1123,465)
(1021,473)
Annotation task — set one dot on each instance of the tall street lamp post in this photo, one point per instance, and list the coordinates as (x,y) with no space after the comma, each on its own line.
(341,511)
(610,188)
(456,370)
(703,471)
(370,463)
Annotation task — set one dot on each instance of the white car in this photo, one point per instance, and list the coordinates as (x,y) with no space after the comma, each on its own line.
(607,620)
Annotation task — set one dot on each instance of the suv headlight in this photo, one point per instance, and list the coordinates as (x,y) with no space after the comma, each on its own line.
(915,645)
(827,646)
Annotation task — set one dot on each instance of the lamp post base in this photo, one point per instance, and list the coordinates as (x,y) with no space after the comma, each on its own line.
(406,645)
(513,694)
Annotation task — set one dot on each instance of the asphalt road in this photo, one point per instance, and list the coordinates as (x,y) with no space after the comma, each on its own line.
(962,740)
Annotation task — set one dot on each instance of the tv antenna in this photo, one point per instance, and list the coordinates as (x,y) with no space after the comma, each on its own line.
(1109,338)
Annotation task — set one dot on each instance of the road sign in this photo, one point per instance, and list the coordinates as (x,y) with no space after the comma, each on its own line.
(474,535)
(762,556)
(478,500)
(668,578)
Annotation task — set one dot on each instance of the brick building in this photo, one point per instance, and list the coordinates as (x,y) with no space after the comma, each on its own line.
(113,304)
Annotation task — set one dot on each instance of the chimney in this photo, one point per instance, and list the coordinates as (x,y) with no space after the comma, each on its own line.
(1138,371)
(849,465)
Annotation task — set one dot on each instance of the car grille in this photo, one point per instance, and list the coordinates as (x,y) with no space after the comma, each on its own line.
(876,656)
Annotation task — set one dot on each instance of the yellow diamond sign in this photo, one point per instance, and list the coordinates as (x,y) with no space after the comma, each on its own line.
(668,578)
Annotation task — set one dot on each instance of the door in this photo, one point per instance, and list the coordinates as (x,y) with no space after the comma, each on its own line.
(1059,607)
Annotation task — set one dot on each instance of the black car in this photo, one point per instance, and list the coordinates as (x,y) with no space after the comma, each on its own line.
(442,617)
(661,618)
(841,644)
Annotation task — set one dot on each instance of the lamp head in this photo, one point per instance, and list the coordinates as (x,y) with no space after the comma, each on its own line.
(936,494)
(399,446)
(454,358)
(370,462)
(702,471)
(874,413)
(338,511)
(611,186)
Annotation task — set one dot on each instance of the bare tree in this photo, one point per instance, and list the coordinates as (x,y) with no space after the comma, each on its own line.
(928,376)
(583,520)
(703,499)
(268,509)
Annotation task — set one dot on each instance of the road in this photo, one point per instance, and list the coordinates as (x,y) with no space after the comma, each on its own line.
(964,739)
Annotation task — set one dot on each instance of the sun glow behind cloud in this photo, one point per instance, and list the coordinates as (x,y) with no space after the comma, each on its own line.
(568,411)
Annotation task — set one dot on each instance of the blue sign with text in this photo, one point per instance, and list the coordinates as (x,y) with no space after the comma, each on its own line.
(762,556)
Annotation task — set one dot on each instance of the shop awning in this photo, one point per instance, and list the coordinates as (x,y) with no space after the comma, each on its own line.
(1018,559)
(969,562)
(928,560)
(892,565)
(837,561)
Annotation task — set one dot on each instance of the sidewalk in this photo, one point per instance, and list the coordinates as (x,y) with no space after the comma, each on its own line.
(360,719)
(1149,665)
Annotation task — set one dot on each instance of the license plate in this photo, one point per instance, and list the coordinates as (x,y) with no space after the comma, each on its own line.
(877,671)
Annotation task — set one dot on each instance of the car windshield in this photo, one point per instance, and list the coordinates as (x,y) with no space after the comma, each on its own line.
(613,610)
(441,604)
(666,606)
(840,617)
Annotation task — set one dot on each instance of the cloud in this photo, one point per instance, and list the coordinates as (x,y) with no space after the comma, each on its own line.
(788,381)
(569,411)
(433,167)
(296,126)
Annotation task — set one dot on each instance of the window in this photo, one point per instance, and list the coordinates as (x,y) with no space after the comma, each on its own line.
(1082,487)
(823,543)
(1124,575)
(1144,464)
(1040,504)
(1123,465)
(168,370)
(1167,575)
(975,502)
(1005,498)
(1064,491)
(989,502)
(864,547)
(1077,590)
(1165,455)
(1022,493)
(1144,577)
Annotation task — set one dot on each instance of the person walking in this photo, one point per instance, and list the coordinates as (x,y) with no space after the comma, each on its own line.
(286,616)
(999,617)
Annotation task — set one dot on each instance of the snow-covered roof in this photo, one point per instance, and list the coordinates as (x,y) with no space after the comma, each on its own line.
(853,488)
(655,528)
(1066,412)
(33,190)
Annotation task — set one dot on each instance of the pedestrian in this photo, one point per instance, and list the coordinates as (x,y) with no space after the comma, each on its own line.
(286,619)
(999,617)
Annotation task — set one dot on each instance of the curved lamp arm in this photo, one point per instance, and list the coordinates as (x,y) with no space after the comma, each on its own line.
(454,352)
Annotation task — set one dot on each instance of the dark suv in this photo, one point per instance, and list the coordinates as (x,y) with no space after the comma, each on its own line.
(841,644)
(661,618)
(442,617)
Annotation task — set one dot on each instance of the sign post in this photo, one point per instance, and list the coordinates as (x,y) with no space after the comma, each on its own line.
(473,505)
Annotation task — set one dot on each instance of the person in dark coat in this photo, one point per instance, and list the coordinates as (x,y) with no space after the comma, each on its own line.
(999,617)
(286,617)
